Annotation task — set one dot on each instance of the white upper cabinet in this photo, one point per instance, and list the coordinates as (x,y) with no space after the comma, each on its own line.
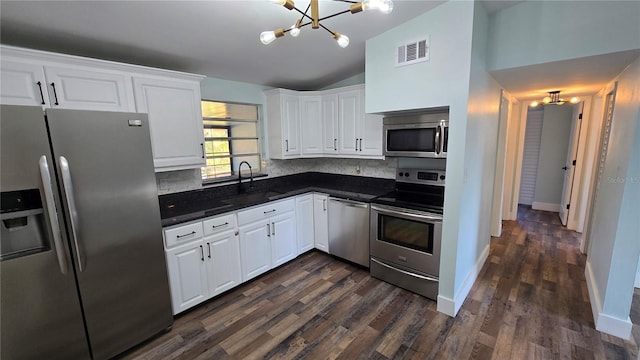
(172,99)
(23,83)
(330,124)
(175,121)
(311,125)
(283,115)
(89,89)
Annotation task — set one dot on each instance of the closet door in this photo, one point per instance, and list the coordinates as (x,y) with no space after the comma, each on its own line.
(531,152)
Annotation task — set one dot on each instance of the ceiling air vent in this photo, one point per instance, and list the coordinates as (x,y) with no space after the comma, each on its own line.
(413,52)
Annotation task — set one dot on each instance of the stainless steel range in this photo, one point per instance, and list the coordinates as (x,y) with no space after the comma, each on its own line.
(406,232)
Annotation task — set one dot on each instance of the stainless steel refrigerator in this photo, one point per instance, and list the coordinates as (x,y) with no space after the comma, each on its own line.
(82,267)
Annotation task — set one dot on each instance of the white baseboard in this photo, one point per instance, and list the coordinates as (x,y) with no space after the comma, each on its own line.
(545,206)
(451,306)
(605,323)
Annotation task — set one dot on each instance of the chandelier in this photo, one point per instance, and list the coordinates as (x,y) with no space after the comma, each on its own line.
(266,37)
(553,99)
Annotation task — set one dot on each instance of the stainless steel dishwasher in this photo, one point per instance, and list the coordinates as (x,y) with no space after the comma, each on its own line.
(349,230)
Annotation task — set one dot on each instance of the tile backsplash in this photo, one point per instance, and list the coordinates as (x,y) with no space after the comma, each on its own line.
(184,180)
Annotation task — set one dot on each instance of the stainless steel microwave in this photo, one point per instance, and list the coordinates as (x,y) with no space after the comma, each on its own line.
(423,135)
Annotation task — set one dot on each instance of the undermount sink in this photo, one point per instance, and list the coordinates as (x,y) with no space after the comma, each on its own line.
(252,197)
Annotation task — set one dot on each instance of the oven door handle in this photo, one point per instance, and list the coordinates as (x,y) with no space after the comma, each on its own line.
(428,278)
(407,214)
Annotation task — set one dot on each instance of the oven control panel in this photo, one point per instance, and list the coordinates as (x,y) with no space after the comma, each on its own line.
(421,176)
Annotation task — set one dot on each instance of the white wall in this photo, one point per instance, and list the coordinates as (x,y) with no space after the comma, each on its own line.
(535,32)
(615,229)
(554,143)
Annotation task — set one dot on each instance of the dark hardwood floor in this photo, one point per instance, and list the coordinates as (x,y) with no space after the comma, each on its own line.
(529,302)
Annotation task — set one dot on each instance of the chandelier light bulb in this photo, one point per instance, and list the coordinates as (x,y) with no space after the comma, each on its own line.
(294,31)
(277,2)
(343,41)
(546,100)
(267,37)
(386,6)
(534,104)
(574,100)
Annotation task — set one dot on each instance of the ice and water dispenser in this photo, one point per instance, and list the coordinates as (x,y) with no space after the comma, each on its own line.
(23,230)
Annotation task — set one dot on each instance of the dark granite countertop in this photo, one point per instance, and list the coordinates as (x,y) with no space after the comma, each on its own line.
(186,206)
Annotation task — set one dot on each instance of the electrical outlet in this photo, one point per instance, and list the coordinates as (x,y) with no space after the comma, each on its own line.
(358,169)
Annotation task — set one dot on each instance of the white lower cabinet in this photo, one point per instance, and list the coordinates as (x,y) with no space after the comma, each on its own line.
(187,275)
(255,247)
(208,257)
(321,222)
(304,222)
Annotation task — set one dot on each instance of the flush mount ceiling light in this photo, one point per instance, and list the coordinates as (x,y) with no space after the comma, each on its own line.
(266,37)
(553,99)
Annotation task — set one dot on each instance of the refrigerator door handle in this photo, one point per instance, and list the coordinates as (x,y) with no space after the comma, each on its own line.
(53,215)
(73,212)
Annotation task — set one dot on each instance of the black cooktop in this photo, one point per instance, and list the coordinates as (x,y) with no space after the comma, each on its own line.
(429,198)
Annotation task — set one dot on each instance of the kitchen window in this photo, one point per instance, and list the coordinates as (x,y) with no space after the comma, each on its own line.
(230,137)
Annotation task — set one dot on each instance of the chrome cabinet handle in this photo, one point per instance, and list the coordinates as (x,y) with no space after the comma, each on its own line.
(273,229)
(209,248)
(201,253)
(335,144)
(324,204)
(270,211)
(360,144)
(55,94)
(41,94)
(202,146)
(405,272)
(215,226)
(183,235)
(53,215)
(287,143)
(73,211)
(356,144)
(268,230)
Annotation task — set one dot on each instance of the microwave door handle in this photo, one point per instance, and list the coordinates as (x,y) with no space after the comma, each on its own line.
(438,140)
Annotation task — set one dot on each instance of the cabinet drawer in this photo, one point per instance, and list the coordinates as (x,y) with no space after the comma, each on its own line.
(219,224)
(183,234)
(265,211)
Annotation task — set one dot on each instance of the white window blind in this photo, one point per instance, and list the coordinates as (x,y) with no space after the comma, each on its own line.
(532,137)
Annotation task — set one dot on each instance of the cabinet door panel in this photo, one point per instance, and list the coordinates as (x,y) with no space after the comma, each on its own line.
(330,124)
(349,117)
(187,276)
(175,121)
(223,261)
(311,125)
(283,238)
(304,223)
(372,135)
(321,222)
(255,249)
(20,84)
(82,89)
(291,123)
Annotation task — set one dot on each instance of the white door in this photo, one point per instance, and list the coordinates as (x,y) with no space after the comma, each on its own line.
(311,125)
(223,261)
(291,126)
(283,238)
(23,84)
(330,124)
(89,89)
(570,165)
(321,222)
(187,276)
(255,249)
(304,223)
(175,121)
(348,116)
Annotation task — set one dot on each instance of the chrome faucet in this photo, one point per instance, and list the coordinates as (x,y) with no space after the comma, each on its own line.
(240,176)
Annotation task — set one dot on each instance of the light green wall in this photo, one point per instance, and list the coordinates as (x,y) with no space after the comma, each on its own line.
(615,230)
(353,80)
(536,32)
(554,144)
